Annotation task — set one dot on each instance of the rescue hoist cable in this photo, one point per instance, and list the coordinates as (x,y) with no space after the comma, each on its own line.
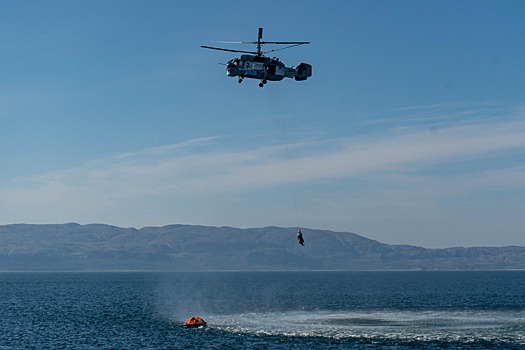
(290,168)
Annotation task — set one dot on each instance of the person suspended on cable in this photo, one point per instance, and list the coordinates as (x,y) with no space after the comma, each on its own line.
(300,239)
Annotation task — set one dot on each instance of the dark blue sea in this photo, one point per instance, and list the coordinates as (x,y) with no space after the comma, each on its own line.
(263,310)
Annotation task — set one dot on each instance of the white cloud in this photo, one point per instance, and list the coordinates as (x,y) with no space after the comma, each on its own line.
(203,165)
(396,163)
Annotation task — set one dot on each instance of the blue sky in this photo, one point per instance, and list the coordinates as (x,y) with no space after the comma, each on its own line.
(410,131)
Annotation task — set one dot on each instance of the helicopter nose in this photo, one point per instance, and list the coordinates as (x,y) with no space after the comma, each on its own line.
(231,71)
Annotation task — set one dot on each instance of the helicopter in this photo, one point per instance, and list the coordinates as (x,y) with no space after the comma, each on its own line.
(255,65)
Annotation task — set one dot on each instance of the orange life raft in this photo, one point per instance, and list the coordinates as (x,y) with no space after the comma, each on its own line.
(194,322)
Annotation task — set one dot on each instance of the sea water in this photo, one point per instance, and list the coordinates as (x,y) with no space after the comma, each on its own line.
(263,310)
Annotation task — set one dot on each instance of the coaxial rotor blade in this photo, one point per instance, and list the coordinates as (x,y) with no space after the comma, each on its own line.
(285,42)
(235,42)
(221,49)
(282,48)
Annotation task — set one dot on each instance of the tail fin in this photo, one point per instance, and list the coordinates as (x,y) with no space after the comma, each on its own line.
(303,71)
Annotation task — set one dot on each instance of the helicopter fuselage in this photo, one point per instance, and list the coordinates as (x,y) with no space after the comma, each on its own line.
(265,69)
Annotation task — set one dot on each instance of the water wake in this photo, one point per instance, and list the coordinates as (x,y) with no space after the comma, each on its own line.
(467,326)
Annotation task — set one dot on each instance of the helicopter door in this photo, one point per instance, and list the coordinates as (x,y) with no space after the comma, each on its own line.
(279,70)
(258,66)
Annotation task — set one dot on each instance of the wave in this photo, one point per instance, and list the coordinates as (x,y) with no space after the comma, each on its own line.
(465,326)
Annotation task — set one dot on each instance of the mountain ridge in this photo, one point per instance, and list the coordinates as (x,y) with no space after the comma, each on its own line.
(177,247)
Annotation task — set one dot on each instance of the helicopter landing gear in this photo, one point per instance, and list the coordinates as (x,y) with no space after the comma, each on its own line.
(262,83)
(240,80)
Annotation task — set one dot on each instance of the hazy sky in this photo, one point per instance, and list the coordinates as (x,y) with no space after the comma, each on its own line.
(410,131)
